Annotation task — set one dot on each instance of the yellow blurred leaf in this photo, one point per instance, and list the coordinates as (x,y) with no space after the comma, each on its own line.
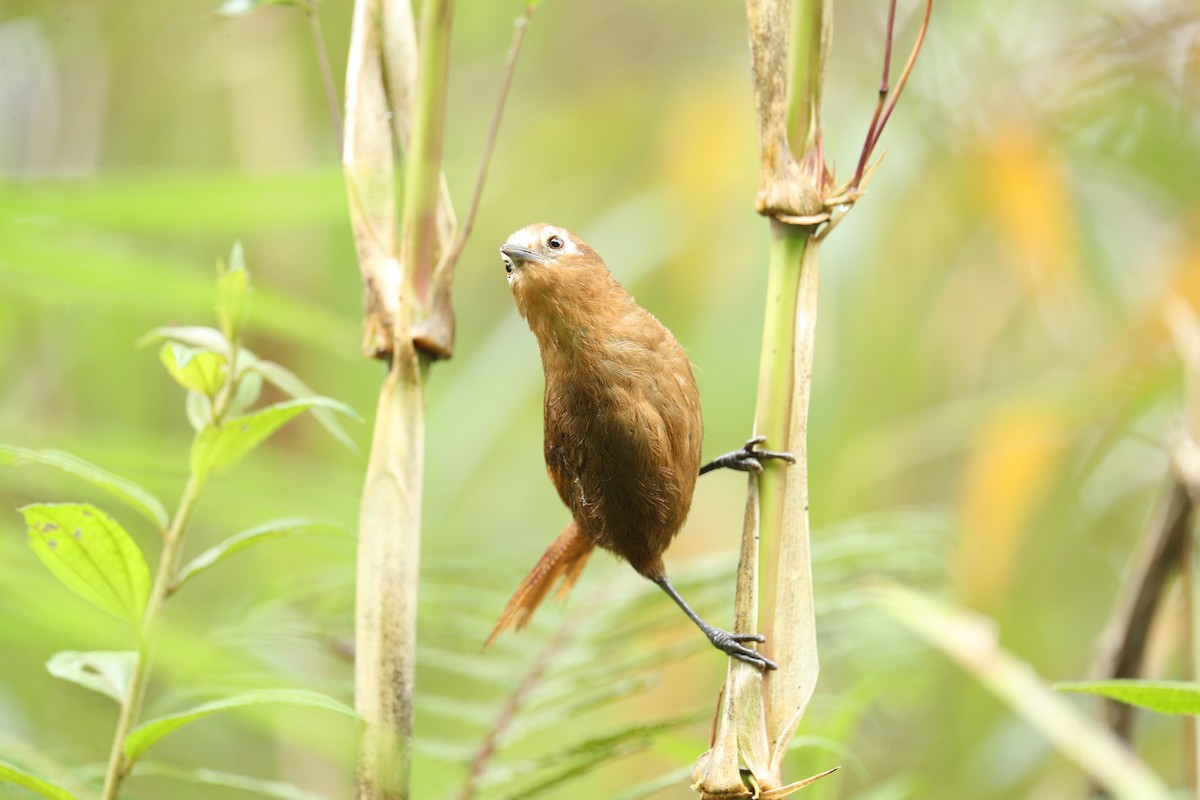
(1009,471)
(1148,332)
(1026,194)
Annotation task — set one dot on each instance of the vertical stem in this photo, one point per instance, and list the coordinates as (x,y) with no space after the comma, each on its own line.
(418,227)
(775,387)
(331,98)
(164,579)
(811,27)
(389,552)
(1190,570)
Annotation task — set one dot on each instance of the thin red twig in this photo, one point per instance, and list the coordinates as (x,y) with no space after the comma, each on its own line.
(885,106)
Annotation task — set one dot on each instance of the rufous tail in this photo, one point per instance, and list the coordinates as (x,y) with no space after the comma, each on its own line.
(564,558)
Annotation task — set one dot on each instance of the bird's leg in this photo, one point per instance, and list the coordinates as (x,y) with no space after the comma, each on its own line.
(725,641)
(748,459)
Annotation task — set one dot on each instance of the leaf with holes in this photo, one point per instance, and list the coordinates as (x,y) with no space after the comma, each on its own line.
(216,449)
(148,733)
(128,492)
(275,529)
(12,774)
(91,554)
(104,671)
(1165,697)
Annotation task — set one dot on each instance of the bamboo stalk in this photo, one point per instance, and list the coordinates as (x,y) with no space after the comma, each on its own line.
(396,99)
(796,191)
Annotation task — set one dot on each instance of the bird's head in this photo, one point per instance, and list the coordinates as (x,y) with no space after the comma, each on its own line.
(549,266)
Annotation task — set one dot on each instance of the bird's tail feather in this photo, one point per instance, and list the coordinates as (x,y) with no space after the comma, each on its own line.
(565,558)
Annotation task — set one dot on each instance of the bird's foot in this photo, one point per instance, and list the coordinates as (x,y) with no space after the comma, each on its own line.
(731,644)
(748,459)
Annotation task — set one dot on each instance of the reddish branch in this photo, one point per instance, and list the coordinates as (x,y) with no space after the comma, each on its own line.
(885,106)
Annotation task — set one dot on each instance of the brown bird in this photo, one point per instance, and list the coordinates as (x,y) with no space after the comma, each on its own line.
(622,420)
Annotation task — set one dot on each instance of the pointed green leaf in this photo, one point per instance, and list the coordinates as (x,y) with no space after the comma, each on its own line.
(233,286)
(1165,697)
(104,671)
(91,554)
(275,529)
(128,492)
(148,733)
(290,384)
(196,336)
(193,368)
(228,780)
(218,448)
(12,774)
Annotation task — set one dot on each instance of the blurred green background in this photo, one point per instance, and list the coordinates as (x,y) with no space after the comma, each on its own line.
(994,390)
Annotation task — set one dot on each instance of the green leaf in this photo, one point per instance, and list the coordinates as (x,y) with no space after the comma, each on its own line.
(199,411)
(148,733)
(275,529)
(91,554)
(196,336)
(291,385)
(245,783)
(1165,697)
(218,448)
(12,774)
(248,389)
(124,490)
(233,286)
(104,671)
(237,8)
(193,368)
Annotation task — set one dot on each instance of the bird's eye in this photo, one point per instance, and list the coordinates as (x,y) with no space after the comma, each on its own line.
(555,243)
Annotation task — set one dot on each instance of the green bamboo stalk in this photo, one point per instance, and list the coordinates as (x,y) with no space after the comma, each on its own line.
(390,513)
(408,295)
(419,240)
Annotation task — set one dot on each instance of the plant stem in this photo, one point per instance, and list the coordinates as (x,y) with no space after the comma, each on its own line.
(450,258)
(418,230)
(773,410)
(331,98)
(164,578)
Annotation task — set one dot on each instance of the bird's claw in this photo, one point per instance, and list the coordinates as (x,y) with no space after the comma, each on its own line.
(748,459)
(731,644)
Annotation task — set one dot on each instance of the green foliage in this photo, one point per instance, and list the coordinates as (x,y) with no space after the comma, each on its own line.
(219,447)
(150,732)
(233,293)
(198,370)
(92,555)
(275,529)
(227,780)
(106,672)
(89,551)
(1165,697)
(13,774)
(124,490)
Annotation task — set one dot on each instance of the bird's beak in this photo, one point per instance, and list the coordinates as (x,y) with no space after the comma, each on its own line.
(519,255)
